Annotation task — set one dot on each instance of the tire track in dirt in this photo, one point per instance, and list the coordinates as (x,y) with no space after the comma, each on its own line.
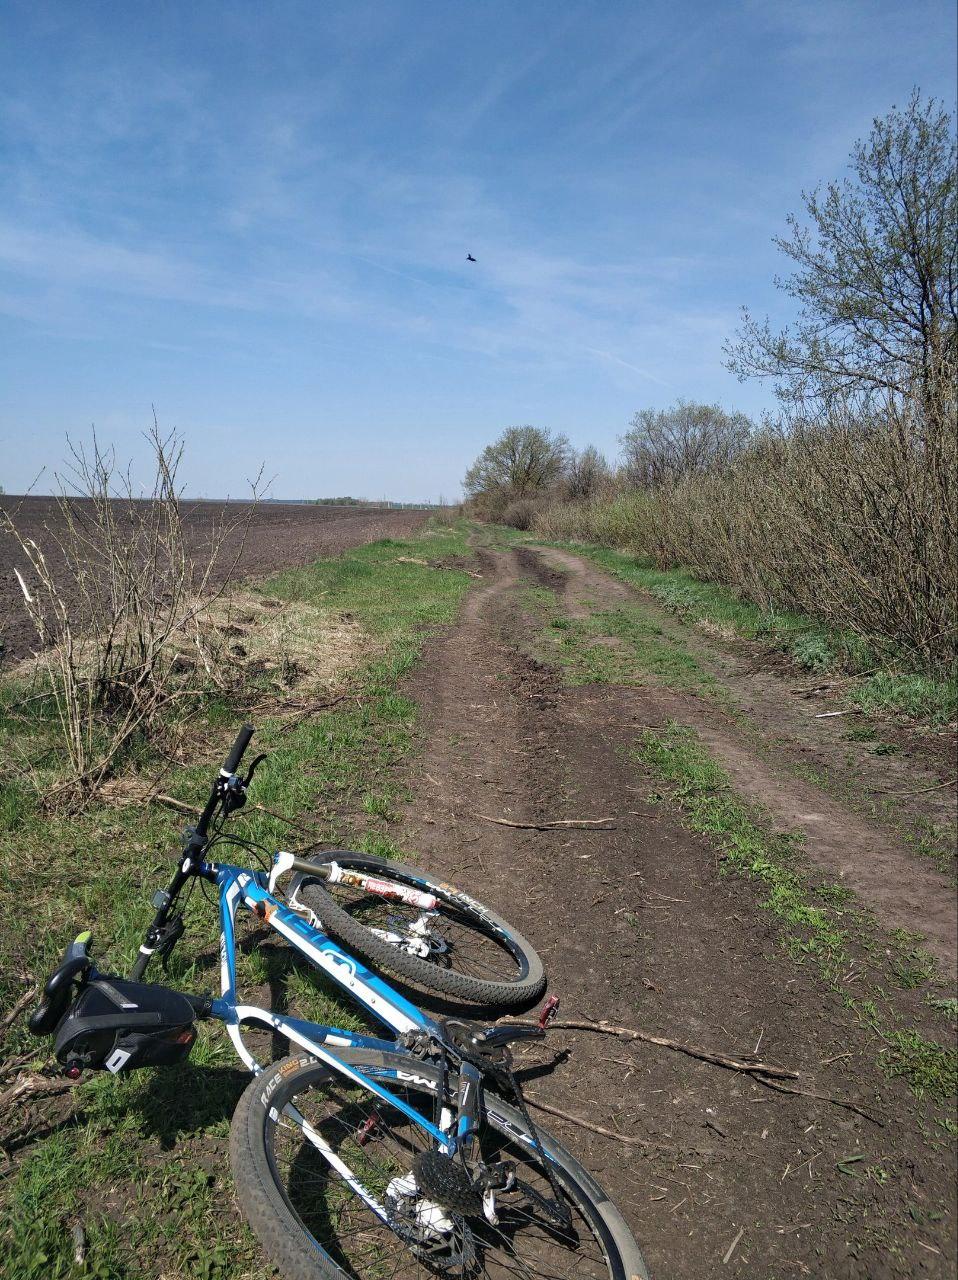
(638,926)
(904,891)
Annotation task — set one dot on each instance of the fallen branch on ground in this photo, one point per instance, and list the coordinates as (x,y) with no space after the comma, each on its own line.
(170,802)
(732,1247)
(437,564)
(13,1066)
(291,715)
(568,824)
(588,1124)
(935,786)
(18,1008)
(745,1062)
(34,1086)
(822,1097)
(764,1073)
(297,825)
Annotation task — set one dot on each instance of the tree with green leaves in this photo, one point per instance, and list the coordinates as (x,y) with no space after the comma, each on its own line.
(523,463)
(876,276)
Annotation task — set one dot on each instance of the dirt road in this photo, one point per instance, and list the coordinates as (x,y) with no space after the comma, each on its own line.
(638,925)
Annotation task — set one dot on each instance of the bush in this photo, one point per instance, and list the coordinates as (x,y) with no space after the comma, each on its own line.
(519,514)
(844,514)
(121,606)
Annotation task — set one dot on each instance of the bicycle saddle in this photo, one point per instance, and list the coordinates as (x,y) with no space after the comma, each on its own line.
(76,963)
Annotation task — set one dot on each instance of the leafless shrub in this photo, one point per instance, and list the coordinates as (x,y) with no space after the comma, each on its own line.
(615,518)
(124,620)
(845,512)
(587,475)
(520,513)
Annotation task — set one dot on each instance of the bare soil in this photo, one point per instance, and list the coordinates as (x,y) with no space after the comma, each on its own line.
(278,536)
(770,740)
(639,926)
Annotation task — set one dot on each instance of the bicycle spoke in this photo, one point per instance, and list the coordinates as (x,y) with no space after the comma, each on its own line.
(466,947)
(525,1245)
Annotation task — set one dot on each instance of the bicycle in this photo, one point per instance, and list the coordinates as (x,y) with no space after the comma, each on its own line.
(359,1155)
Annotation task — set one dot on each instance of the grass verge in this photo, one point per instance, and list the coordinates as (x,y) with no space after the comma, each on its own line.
(815,648)
(139,1162)
(819,924)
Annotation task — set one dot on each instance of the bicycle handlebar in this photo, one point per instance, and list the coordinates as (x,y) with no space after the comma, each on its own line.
(231,763)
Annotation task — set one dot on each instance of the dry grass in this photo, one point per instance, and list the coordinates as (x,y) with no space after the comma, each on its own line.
(288,644)
(124,622)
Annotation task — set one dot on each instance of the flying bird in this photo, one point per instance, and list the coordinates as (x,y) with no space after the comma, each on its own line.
(470,258)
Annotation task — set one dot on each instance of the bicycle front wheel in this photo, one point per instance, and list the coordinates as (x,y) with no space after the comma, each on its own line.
(461,949)
(322,1173)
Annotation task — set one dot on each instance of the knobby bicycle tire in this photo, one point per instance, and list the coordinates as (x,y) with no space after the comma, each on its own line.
(292,1245)
(513,992)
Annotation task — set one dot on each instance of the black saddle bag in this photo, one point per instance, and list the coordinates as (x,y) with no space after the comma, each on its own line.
(115,1025)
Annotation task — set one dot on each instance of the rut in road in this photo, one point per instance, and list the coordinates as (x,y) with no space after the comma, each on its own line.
(638,926)
(904,890)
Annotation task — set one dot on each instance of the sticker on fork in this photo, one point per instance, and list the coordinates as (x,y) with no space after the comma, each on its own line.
(383,888)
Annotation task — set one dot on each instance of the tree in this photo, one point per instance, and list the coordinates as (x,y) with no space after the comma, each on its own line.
(665,445)
(588,473)
(875,277)
(522,463)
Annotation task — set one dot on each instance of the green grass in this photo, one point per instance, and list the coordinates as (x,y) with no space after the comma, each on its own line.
(925,1065)
(614,646)
(912,695)
(809,644)
(145,1211)
(819,922)
(930,840)
(704,792)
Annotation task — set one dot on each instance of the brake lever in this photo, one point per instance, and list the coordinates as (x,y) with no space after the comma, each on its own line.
(252,769)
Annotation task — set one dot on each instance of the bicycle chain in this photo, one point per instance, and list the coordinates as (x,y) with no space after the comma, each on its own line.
(501,1069)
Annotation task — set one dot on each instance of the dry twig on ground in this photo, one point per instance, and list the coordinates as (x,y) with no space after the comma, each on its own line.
(743,1062)
(559,824)
(764,1072)
(14,1013)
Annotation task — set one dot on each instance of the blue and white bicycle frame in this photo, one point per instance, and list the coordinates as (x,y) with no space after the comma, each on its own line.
(239,887)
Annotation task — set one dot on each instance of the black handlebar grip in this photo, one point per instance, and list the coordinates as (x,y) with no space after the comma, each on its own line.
(231,763)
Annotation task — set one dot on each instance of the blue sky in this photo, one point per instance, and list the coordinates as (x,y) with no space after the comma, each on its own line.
(255,217)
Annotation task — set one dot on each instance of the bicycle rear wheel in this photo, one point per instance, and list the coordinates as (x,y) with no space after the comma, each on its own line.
(463,949)
(321,1168)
